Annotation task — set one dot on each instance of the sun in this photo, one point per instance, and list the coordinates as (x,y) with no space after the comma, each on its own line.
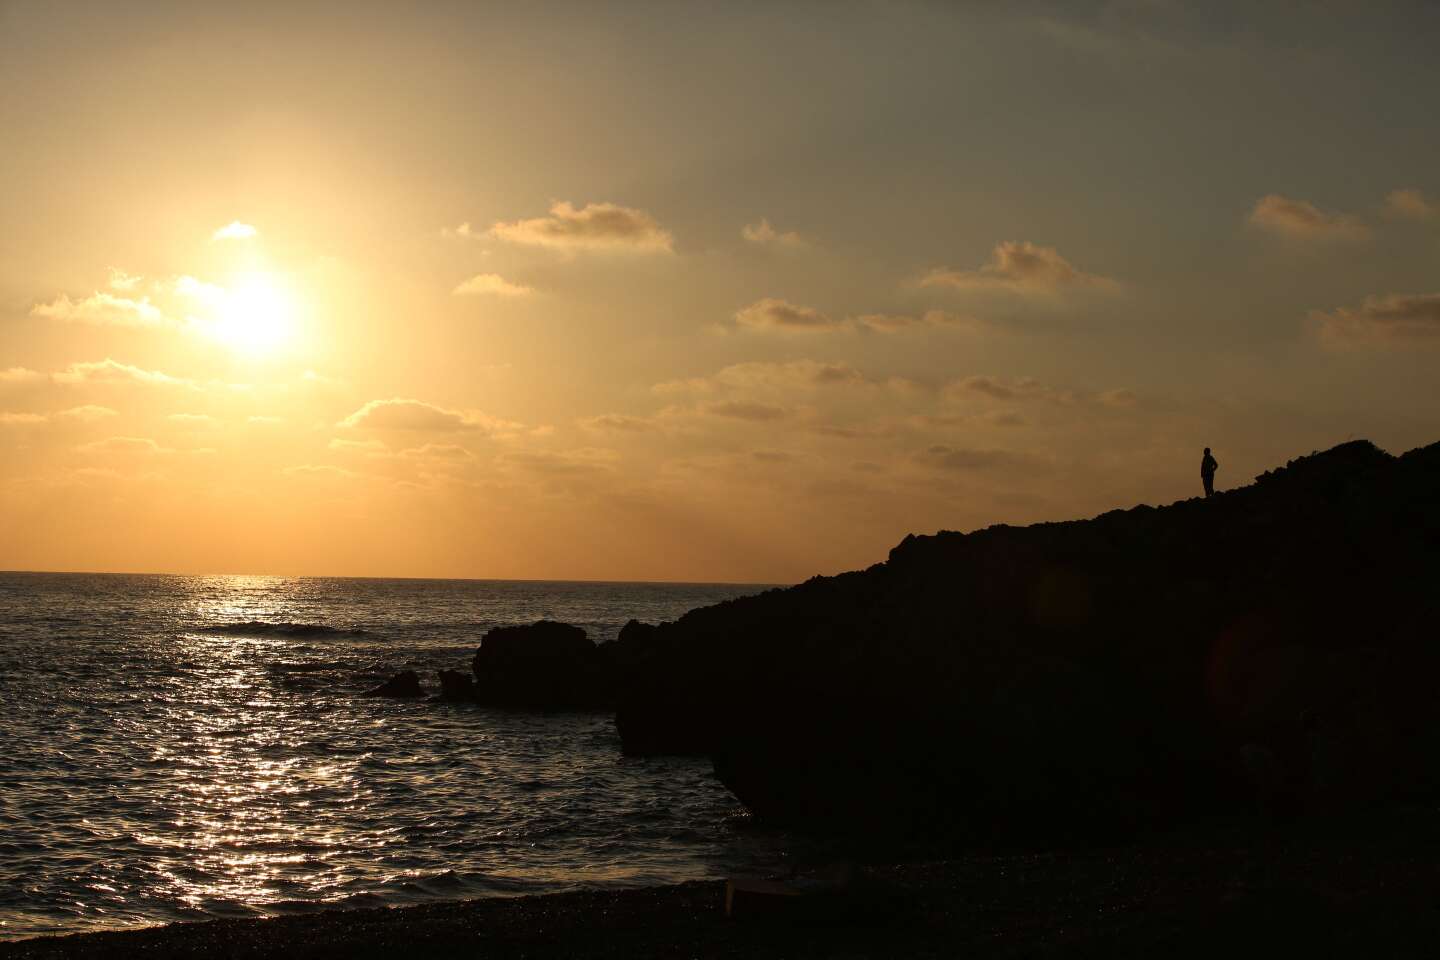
(255,315)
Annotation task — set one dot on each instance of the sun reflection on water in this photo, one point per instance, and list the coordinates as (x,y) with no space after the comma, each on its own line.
(221,765)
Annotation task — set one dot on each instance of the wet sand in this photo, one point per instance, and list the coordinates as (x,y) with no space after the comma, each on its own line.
(1366,887)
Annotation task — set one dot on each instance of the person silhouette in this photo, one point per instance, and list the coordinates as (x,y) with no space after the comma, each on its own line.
(1208,466)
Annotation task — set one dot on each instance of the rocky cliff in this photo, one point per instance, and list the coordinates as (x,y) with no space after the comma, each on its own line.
(1273,647)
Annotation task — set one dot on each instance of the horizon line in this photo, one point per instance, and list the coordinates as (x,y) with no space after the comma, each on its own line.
(322,576)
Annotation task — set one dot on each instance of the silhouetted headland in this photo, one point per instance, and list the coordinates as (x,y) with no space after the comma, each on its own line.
(1268,649)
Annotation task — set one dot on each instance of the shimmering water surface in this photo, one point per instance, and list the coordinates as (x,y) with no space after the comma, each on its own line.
(179,748)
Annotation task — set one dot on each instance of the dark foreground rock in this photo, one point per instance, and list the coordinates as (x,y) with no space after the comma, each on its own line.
(1273,647)
(1363,889)
(455,685)
(404,684)
(542,666)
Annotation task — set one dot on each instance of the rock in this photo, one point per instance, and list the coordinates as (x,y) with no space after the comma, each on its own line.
(455,685)
(404,684)
(543,666)
(1081,680)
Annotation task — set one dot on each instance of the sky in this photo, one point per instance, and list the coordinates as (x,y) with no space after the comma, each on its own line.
(680,291)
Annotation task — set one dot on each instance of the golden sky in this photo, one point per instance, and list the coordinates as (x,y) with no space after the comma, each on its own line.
(689,291)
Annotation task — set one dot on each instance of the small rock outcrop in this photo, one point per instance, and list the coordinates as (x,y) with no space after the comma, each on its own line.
(403,684)
(455,685)
(1272,647)
(542,666)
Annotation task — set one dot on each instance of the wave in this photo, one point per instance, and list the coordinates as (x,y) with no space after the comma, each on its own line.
(252,628)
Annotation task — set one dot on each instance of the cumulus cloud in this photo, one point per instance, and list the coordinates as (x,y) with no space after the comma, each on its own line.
(20,419)
(120,280)
(762,234)
(108,371)
(367,447)
(758,374)
(1393,318)
(559,463)
(899,323)
(462,232)
(1301,219)
(438,451)
(596,226)
(618,423)
(1021,267)
(1119,397)
(88,413)
(746,410)
(1411,204)
(318,471)
(20,375)
(998,388)
(101,309)
(774,314)
(407,415)
(129,445)
(494,284)
(235,230)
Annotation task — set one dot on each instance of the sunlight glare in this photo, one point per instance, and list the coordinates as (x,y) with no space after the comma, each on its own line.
(256,316)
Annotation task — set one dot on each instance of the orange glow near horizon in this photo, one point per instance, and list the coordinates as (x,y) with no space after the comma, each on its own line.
(405,294)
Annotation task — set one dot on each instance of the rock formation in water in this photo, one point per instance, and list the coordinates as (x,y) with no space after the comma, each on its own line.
(1274,645)
(455,685)
(542,666)
(403,684)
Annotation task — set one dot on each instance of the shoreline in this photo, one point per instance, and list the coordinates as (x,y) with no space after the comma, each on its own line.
(1363,885)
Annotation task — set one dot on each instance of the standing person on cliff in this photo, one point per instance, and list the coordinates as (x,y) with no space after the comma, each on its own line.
(1208,466)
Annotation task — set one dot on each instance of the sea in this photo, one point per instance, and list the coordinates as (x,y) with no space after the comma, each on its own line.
(179,748)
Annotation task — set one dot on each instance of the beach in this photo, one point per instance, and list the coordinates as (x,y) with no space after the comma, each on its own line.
(1332,887)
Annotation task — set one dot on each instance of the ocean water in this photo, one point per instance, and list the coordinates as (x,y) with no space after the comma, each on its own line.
(182,748)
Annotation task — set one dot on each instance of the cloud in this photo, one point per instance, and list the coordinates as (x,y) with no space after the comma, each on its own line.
(948,458)
(1410,204)
(101,309)
(585,460)
(1392,318)
(492,283)
(757,374)
(618,423)
(1303,220)
(1021,267)
(20,375)
(1119,397)
(235,230)
(318,471)
(898,323)
(596,226)
(774,314)
(207,294)
(368,447)
(88,413)
(108,371)
(745,410)
(120,280)
(997,388)
(763,235)
(20,419)
(134,445)
(462,232)
(403,414)
(265,421)
(438,451)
